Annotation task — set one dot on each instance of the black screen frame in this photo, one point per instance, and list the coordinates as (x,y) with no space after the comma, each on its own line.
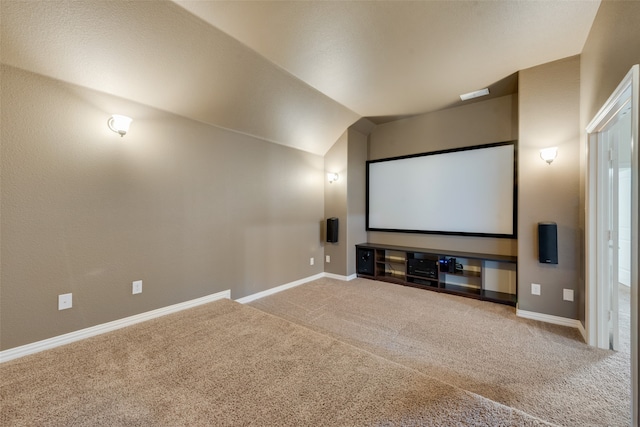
(512,235)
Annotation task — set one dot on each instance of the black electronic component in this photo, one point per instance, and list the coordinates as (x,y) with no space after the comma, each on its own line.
(548,242)
(332,230)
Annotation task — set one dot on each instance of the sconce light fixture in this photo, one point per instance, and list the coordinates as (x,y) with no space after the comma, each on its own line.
(333,177)
(549,154)
(119,124)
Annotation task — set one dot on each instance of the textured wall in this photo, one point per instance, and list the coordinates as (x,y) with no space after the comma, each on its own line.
(188,208)
(158,54)
(345,199)
(358,150)
(549,116)
(335,204)
(612,48)
(483,122)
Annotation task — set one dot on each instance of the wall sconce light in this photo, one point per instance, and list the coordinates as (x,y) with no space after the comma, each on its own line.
(333,177)
(119,124)
(549,154)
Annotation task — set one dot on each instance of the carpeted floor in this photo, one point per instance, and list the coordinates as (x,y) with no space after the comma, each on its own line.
(357,353)
(544,370)
(226,364)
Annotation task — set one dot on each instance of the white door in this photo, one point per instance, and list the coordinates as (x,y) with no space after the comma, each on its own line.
(614,160)
(606,133)
(610,139)
(624,221)
(597,250)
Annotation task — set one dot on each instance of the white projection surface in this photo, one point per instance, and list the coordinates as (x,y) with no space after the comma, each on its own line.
(458,192)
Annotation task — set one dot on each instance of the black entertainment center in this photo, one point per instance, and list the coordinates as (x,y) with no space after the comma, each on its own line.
(467,191)
(460,273)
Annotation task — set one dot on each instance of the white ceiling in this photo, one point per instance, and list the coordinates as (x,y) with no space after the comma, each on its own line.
(296,73)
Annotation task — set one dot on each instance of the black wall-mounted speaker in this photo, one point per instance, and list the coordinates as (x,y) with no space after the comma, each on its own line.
(548,242)
(365,261)
(332,230)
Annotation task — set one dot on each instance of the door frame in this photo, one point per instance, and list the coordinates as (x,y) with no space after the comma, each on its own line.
(627,91)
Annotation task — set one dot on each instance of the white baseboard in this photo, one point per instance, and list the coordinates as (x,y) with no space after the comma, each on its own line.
(340,277)
(258,295)
(16,352)
(548,318)
(277,289)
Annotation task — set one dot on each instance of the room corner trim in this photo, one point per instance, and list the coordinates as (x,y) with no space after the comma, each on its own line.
(340,277)
(548,318)
(583,331)
(49,343)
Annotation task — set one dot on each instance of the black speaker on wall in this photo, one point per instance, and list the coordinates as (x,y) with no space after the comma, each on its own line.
(365,261)
(548,242)
(332,230)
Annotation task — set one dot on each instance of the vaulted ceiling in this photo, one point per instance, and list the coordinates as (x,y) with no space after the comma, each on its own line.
(296,73)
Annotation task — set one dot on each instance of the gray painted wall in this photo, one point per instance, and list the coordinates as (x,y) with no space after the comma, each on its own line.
(193,209)
(549,116)
(335,204)
(546,116)
(188,208)
(612,48)
(358,151)
(473,124)
(345,199)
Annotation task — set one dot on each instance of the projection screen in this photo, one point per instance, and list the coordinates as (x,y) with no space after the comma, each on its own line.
(466,191)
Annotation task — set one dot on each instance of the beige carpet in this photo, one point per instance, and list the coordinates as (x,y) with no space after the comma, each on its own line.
(225,364)
(542,369)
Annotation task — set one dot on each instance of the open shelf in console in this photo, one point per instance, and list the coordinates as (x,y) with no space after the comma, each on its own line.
(422,270)
(460,290)
(391,265)
(482,276)
(419,282)
(461,276)
(499,297)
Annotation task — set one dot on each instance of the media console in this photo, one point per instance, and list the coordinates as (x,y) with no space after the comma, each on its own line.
(476,275)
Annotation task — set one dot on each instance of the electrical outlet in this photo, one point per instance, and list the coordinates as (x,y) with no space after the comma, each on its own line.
(136,287)
(535,289)
(327,258)
(567,294)
(311,261)
(65,301)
